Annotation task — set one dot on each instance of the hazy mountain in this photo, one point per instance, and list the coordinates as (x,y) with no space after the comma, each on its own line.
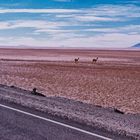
(136,46)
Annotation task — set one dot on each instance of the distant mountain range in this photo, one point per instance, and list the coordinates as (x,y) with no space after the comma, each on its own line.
(136,46)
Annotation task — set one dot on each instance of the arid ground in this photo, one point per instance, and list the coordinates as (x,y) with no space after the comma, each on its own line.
(114,81)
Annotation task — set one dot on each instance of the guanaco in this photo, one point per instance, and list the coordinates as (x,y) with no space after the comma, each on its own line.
(76,60)
(94,60)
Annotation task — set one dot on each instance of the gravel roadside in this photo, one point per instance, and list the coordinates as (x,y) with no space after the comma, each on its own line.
(96,116)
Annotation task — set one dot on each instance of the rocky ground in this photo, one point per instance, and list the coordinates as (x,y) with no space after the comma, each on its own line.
(108,119)
(112,82)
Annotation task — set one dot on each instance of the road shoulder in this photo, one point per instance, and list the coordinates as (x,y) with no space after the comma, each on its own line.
(94,116)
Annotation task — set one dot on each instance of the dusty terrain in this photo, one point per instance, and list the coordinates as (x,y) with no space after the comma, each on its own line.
(93,117)
(114,81)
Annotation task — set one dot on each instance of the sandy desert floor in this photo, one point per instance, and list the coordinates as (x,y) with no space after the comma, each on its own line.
(114,81)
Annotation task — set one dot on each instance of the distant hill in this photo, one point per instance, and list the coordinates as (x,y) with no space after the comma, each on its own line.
(136,46)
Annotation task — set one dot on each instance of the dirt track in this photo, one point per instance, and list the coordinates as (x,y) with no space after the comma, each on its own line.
(113,81)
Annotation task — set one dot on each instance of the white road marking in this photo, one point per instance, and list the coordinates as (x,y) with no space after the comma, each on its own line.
(58,123)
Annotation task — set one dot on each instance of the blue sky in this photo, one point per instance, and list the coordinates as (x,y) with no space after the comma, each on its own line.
(70,23)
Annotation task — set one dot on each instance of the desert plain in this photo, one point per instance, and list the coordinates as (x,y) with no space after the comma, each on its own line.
(113,81)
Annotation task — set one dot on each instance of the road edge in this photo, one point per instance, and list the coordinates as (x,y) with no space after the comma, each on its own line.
(36,103)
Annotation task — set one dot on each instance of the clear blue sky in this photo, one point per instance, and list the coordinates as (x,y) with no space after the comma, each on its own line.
(70,23)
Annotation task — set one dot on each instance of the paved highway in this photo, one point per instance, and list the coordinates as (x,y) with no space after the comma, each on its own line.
(19,123)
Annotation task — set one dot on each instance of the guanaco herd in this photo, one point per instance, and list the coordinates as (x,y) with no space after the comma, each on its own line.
(94,60)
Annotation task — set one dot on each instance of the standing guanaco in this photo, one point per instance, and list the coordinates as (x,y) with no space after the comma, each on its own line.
(76,60)
(94,60)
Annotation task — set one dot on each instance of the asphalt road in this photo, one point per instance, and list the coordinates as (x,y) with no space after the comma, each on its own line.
(20,123)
